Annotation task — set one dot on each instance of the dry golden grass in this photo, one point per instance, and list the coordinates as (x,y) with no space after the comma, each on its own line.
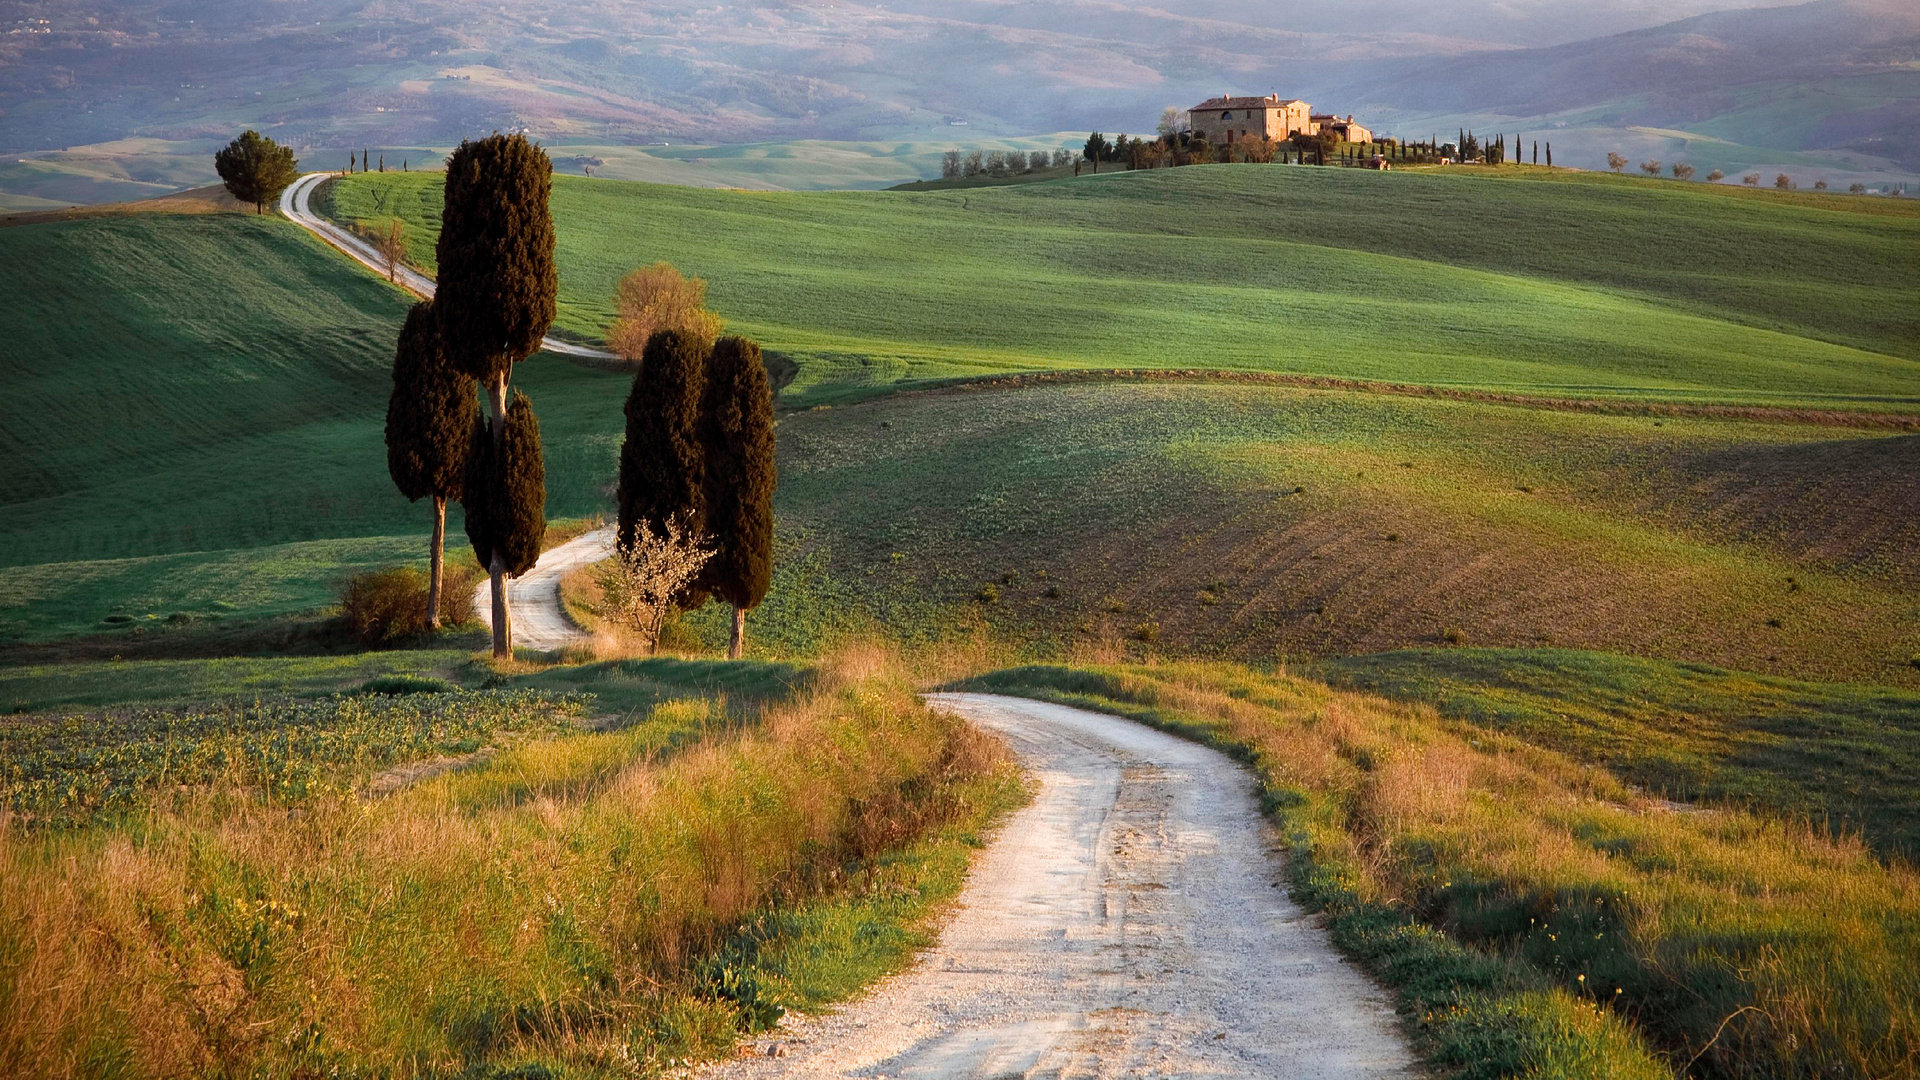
(551,904)
(1733,943)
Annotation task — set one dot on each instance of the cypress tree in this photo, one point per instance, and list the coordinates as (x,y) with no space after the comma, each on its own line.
(662,464)
(505,496)
(1549,155)
(430,418)
(736,432)
(495,301)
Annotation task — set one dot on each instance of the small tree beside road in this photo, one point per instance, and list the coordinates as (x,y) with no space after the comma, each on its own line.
(390,240)
(647,575)
(256,169)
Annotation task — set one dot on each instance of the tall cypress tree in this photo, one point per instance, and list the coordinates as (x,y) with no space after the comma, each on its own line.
(496,295)
(662,464)
(736,432)
(430,418)
(506,499)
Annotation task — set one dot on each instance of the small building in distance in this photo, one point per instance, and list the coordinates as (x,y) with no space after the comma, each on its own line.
(1346,129)
(1226,119)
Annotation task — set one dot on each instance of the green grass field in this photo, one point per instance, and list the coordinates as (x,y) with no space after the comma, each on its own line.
(1840,757)
(1262,523)
(1568,284)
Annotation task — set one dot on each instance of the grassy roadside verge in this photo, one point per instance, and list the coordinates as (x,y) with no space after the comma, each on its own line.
(573,905)
(1536,916)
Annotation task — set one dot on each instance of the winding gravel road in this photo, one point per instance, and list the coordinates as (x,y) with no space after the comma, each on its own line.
(296,204)
(1128,923)
(539,618)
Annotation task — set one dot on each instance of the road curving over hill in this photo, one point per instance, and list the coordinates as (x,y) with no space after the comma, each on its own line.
(1129,922)
(296,203)
(539,617)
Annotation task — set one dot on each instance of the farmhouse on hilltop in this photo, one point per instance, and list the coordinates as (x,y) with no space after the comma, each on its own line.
(1226,120)
(1346,129)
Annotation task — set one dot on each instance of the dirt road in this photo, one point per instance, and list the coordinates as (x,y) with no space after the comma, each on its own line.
(539,618)
(296,204)
(1128,923)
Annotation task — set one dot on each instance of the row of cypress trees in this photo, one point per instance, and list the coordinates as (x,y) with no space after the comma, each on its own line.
(699,450)
(494,302)
(699,423)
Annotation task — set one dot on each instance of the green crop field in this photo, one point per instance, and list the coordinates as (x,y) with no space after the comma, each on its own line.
(1270,523)
(1573,284)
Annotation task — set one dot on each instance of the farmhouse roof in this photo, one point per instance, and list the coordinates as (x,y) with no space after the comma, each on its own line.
(1271,101)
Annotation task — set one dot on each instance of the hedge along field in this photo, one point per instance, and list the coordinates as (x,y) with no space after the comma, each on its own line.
(582,902)
(1538,917)
(1602,285)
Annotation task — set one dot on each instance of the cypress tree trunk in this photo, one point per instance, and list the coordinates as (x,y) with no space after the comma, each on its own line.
(737,643)
(435,575)
(497,566)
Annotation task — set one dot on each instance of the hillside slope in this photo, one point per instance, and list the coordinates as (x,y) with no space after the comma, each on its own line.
(1272,524)
(1566,284)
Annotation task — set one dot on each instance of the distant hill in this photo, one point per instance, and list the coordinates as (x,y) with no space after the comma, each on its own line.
(141,90)
(1830,75)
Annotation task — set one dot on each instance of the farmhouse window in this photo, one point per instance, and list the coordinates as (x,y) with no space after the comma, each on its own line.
(1226,116)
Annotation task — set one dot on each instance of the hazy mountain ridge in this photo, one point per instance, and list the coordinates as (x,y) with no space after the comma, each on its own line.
(325,75)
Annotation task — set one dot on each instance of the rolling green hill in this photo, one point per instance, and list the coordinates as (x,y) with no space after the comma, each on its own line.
(1540,282)
(217,450)
(1267,524)
(194,421)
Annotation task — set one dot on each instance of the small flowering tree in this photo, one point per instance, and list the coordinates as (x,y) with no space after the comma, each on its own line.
(643,579)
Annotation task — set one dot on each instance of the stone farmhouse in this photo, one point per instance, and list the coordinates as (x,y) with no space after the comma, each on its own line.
(1226,119)
(1346,129)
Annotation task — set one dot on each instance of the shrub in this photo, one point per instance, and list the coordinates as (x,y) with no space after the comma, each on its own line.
(381,607)
(1207,597)
(1053,592)
(1453,635)
(988,594)
(659,298)
(1147,632)
(640,583)
(1819,185)
(1716,176)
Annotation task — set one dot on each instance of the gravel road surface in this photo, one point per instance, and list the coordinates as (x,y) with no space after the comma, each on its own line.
(1128,923)
(539,618)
